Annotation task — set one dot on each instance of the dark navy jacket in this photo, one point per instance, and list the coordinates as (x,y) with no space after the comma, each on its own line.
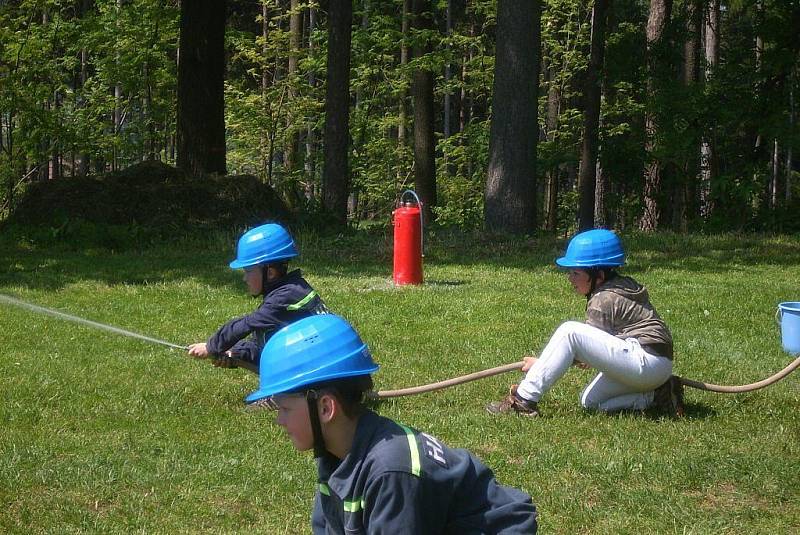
(396,480)
(286,300)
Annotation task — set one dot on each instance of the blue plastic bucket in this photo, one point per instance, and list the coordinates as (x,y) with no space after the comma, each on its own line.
(789,318)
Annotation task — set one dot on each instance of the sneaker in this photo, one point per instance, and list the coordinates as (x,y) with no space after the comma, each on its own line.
(668,397)
(513,403)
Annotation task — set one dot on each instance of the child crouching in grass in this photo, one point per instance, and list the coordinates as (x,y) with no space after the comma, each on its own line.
(263,253)
(623,338)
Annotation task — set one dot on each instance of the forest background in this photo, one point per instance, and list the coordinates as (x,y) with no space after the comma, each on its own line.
(516,116)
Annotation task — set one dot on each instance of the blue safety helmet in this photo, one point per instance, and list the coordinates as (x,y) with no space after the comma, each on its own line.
(262,245)
(593,249)
(314,349)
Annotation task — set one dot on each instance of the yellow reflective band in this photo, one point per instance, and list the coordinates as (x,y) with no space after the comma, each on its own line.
(353,506)
(303,301)
(416,466)
(349,506)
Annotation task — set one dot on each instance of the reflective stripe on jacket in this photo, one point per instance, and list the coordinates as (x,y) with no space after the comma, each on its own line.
(286,300)
(398,480)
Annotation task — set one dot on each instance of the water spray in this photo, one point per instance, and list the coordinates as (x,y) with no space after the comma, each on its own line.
(96,324)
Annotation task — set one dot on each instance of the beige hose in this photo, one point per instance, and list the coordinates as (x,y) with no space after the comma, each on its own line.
(772,379)
(384,394)
(445,384)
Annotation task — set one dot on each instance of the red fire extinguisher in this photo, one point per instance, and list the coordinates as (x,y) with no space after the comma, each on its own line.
(407,219)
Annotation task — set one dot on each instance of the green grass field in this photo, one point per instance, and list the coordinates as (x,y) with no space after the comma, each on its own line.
(101,433)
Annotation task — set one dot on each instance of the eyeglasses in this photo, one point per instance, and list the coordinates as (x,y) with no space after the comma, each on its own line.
(267,403)
(271,402)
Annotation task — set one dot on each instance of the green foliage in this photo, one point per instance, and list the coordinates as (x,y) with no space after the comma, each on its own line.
(60,67)
(461,173)
(62,62)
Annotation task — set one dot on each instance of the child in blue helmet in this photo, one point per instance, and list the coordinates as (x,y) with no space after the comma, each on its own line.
(263,253)
(375,475)
(623,338)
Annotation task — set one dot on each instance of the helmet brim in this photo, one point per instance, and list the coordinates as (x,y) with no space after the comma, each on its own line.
(267,259)
(294,385)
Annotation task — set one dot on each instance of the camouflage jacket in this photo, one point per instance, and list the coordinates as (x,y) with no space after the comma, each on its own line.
(621,307)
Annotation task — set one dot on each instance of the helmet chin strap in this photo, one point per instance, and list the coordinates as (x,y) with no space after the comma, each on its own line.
(316,427)
(593,281)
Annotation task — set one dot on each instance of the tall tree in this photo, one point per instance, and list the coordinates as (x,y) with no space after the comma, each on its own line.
(708,159)
(201,76)
(402,112)
(657,20)
(551,125)
(295,38)
(591,117)
(510,193)
(311,143)
(422,94)
(792,125)
(336,172)
(685,192)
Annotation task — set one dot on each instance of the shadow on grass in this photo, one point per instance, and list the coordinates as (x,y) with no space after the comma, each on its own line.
(368,253)
(445,283)
(692,411)
(699,411)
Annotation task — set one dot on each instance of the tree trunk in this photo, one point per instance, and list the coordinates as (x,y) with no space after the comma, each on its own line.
(510,195)
(311,162)
(422,96)
(789,158)
(336,173)
(464,99)
(775,182)
(591,117)
(403,113)
(201,97)
(448,72)
(683,205)
(600,217)
(765,202)
(265,141)
(551,125)
(295,37)
(117,100)
(658,18)
(83,157)
(708,163)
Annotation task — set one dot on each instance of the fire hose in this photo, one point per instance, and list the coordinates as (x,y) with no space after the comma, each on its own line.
(383,394)
(411,391)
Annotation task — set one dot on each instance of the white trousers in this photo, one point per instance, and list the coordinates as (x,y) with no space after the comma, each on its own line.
(628,374)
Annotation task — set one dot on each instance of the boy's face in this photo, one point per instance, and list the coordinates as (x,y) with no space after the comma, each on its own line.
(254,278)
(293,417)
(580,280)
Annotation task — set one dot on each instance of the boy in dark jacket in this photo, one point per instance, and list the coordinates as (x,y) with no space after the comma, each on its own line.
(264,253)
(375,475)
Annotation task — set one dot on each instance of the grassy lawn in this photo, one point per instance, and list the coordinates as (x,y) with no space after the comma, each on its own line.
(101,433)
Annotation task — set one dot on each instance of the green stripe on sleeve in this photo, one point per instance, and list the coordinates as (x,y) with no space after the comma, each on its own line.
(304,301)
(416,466)
(353,506)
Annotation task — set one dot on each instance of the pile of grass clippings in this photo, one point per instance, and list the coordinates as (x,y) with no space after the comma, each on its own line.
(148,199)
